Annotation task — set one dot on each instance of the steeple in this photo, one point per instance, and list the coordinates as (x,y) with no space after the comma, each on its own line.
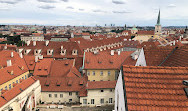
(158,20)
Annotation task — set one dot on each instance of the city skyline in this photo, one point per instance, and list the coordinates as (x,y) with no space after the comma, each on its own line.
(90,13)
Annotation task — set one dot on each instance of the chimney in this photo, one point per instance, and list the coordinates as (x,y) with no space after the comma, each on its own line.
(112,52)
(119,52)
(34,43)
(61,47)
(36,58)
(47,42)
(28,42)
(21,55)
(12,54)
(9,63)
(5,47)
(174,42)
(79,42)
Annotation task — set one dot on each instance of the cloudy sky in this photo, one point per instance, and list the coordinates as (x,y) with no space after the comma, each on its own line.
(92,12)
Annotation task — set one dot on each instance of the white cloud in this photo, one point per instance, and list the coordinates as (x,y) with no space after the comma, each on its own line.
(171,5)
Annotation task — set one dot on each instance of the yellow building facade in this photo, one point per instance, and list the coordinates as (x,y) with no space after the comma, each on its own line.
(102,75)
(9,84)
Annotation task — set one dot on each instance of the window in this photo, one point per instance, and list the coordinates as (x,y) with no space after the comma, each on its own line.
(88,73)
(102,101)
(101,73)
(93,73)
(16,81)
(50,95)
(84,101)
(108,73)
(110,100)
(110,90)
(5,87)
(92,101)
(76,93)
(93,80)
(70,100)
(22,77)
(9,86)
(61,95)
(1,89)
(12,82)
(25,76)
(102,90)
(70,93)
(55,95)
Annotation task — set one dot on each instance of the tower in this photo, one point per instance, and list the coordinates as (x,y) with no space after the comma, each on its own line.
(158,26)
(44,30)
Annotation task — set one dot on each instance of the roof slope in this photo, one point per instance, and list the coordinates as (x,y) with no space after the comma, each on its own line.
(104,60)
(156,55)
(155,88)
(101,84)
(178,58)
(12,93)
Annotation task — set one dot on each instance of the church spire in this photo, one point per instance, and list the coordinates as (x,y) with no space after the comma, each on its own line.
(158,20)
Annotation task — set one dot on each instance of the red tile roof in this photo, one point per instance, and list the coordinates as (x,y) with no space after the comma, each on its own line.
(56,46)
(178,58)
(155,88)
(43,67)
(141,32)
(64,68)
(12,93)
(49,84)
(156,55)
(101,84)
(104,60)
(30,61)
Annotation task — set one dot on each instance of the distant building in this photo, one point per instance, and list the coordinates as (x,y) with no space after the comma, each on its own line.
(158,28)
(32,37)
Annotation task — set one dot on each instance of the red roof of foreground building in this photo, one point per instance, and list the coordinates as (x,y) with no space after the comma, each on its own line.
(104,60)
(19,88)
(101,84)
(155,88)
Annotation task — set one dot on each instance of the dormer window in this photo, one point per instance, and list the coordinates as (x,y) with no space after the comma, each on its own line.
(63,52)
(74,52)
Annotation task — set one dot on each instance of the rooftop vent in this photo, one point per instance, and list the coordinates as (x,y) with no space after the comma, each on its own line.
(66,63)
(69,83)
(47,83)
(58,83)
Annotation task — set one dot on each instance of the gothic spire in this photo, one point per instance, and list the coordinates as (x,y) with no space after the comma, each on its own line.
(158,20)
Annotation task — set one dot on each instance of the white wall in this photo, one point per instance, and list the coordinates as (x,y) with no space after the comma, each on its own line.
(65,98)
(141,61)
(15,102)
(119,95)
(98,95)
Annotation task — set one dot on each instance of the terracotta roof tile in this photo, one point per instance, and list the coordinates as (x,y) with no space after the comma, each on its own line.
(101,84)
(155,88)
(104,60)
(12,93)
